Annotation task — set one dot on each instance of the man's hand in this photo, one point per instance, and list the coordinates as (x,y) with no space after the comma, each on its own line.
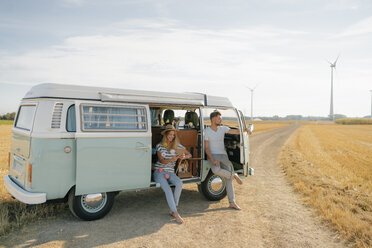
(216,163)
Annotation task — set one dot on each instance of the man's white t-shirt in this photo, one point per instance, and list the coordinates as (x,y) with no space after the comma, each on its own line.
(216,139)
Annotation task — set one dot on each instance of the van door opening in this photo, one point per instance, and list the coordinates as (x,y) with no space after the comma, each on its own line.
(187,121)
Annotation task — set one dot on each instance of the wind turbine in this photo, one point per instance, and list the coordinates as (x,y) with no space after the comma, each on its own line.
(252,89)
(333,66)
(371,104)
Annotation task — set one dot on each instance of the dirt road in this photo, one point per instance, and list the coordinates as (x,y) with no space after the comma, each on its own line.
(272,215)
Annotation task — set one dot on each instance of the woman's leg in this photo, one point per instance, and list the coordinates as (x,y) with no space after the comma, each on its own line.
(176,181)
(159,178)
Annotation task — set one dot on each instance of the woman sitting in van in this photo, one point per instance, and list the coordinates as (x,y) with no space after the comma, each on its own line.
(164,168)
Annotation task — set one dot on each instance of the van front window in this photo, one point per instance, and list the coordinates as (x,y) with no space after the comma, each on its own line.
(25,117)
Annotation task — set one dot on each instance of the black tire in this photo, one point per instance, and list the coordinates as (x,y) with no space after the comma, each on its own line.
(209,190)
(93,210)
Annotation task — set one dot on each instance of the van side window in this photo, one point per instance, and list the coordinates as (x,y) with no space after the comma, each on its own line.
(25,116)
(71,119)
(113,118)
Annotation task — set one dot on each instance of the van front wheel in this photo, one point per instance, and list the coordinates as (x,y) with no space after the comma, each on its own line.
(213,187)
(90,206)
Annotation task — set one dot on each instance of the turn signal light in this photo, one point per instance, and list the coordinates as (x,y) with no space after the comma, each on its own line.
(9,160)
(29,173)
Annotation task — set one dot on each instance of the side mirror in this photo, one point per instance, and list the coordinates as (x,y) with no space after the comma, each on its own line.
(250,127)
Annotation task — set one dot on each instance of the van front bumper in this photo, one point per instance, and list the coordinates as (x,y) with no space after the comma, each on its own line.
(21,194)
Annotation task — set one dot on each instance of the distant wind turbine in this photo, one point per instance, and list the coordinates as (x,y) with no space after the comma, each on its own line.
(371,104)
(333,66)
(252,89)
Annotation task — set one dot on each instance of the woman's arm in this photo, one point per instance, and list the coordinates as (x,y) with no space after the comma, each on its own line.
(166,161)
(186,155)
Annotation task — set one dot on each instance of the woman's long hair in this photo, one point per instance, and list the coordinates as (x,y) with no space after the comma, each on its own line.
(174,144)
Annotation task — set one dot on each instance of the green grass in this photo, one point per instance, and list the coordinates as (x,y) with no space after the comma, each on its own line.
(6,122)
(355,121)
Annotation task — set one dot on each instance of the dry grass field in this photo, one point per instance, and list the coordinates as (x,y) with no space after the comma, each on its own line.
(262,126)
(331,166)
(259,126)
(354,121)
(5,138)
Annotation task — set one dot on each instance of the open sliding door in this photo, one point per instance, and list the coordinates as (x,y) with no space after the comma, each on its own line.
(244,146)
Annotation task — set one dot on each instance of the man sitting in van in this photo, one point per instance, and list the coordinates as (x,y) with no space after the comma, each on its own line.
(215,149)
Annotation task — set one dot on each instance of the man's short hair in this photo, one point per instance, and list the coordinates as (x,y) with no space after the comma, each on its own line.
(214,114)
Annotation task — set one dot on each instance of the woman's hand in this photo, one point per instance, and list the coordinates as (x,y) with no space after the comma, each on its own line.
(175,158)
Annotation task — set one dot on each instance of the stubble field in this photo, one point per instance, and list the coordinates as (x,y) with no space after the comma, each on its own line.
(331,166)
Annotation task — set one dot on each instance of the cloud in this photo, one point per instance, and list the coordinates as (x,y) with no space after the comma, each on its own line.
(341,5)
(360,28)
(166,55)
(157,51)
(73,2)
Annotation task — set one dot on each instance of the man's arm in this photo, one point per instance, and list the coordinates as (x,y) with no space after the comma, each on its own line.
(209,154)
(237,131)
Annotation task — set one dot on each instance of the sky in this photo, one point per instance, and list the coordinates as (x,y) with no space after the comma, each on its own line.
(217,47)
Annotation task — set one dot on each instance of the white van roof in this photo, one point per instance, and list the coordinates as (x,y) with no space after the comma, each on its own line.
(65,91)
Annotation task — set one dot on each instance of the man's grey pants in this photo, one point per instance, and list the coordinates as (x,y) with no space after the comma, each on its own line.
(226,171)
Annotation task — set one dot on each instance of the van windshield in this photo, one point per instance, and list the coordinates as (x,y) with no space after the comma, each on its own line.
(25,117)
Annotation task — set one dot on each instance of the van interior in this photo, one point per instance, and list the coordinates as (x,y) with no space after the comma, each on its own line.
(187,121)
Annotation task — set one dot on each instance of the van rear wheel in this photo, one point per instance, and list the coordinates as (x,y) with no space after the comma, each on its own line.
(90,206)
(213,187)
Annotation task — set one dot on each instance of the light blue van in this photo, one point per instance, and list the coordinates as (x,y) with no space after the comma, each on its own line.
(85,144)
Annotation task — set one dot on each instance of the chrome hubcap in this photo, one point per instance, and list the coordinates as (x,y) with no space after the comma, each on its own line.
(216,185)
(93,203)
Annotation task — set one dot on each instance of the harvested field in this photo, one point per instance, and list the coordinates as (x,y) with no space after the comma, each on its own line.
(262,126)
(355,121)
(272,215)
(5,139)
(331,166)
(259,126)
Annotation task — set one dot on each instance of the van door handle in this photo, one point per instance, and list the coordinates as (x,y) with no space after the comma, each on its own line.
(142,148)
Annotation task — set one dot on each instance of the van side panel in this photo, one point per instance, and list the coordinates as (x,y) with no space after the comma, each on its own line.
(53,170)
(113,164)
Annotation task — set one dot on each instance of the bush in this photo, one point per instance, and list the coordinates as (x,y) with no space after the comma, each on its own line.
(8,116)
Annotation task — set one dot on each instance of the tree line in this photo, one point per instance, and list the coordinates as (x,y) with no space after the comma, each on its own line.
(8,116)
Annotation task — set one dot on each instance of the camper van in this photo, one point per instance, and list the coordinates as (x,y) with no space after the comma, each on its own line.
(86,144)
